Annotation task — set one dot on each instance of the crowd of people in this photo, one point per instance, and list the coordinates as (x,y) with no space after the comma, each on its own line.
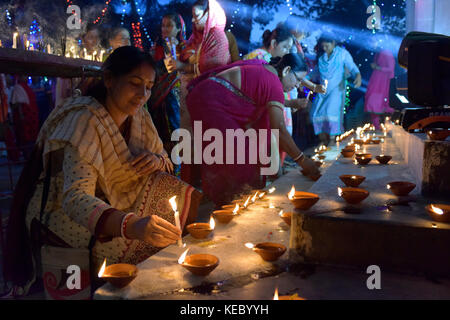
(100,174)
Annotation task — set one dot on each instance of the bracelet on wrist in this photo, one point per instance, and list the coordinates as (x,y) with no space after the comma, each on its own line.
(300,156)
(123,225)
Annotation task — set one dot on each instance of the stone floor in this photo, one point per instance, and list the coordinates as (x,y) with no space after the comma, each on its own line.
(242,275)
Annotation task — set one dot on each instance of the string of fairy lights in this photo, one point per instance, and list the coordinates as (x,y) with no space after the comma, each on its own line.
(288,3)
(141,23)
(124,10)
(102,14)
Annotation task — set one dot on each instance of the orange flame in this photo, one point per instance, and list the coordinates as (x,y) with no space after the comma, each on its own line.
(212,223)
(340,192)
(246,201)
(281,213)
(275,295)
(102,269)
(291,193)
(183,256)
(249,245)
(437,210)
(254,197)
(173,203)
(236,209)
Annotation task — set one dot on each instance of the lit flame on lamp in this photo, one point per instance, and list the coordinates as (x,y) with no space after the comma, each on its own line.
(173,203)
(271,190)
(236,209)
(249,245)
(291,193)
(340,192)
(437,210)
(388,187)
(212,223)
(254,197)
(281,213)
(183,256)
(262,194)
(353,177)
(275,295)
(102,269)
(247,201)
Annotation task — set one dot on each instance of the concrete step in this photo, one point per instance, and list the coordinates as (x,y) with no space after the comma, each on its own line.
(385,230)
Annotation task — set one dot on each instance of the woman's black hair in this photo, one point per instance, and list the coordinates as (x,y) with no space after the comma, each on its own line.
(279,34)
(293,60)
(122,61)
(323,38)
(202,4)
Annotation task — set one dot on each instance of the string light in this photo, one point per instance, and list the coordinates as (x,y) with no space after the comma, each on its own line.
(102,14)
(347,97)
(35,34)
(8,17)
(374,19)
(124,10)
(288,3)
(141,21)
(137,35)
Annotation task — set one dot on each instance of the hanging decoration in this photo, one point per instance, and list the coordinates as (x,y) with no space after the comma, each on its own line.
(288,3)
(137,35)
(102,14)
(141,9)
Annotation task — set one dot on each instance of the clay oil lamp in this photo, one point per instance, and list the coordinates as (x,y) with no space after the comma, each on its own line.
(286,216)
(292,297)
(119,275)
(225,216)
(199,264)
(302,200)
(438,134)
(230,206)
(383,159)
(269,251)
(400,188)
(352,180)
(363,158)
(347,153)
(201,230)
(353,195)
(439,212)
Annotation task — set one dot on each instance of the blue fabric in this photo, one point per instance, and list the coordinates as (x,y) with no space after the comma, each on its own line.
(327,112)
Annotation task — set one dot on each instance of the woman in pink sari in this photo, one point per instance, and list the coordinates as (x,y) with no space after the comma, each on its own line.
(251,97)
(377,95)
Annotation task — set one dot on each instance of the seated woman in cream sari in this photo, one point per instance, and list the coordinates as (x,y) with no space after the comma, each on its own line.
(106,161)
